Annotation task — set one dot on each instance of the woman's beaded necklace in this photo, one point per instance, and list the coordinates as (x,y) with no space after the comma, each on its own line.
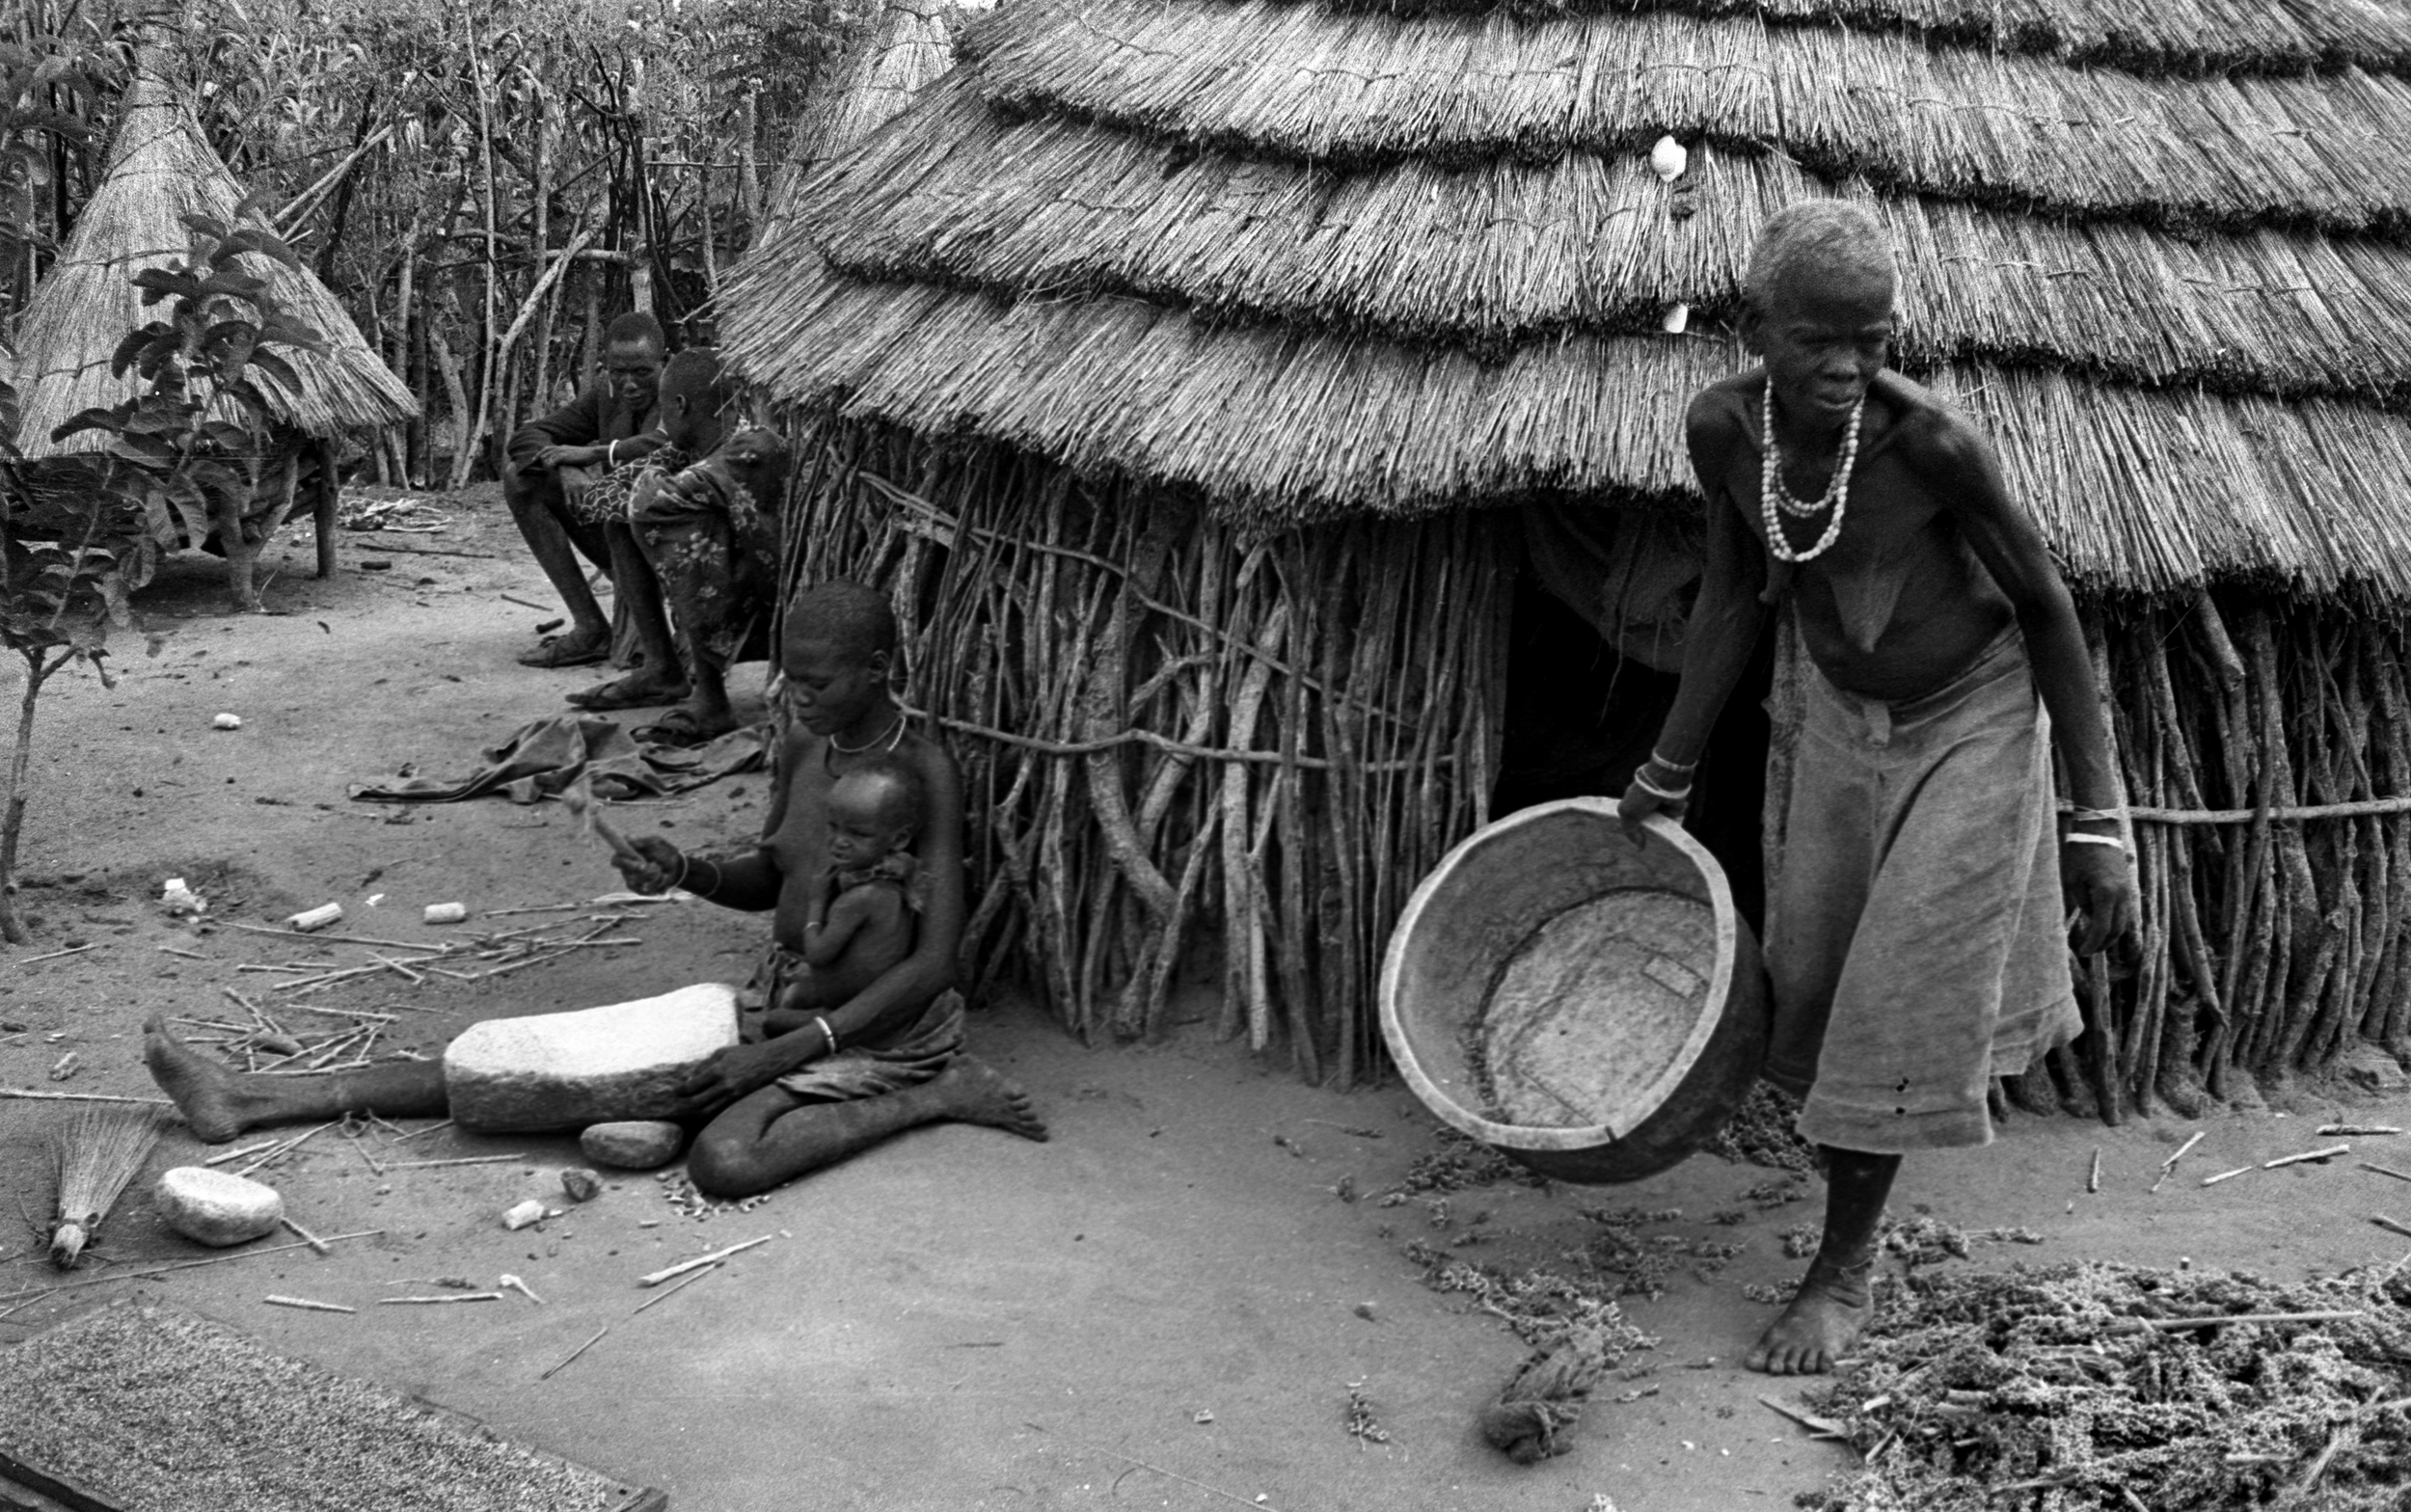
(1776,498)
(890,739)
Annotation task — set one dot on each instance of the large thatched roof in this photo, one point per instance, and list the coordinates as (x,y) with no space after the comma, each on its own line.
(903,45)
(161,170)
(1314,258)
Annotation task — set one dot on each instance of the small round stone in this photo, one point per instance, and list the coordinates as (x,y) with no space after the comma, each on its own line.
(633,1144)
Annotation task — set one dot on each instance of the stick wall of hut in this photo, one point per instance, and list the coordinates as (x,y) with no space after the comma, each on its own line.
(1181,743)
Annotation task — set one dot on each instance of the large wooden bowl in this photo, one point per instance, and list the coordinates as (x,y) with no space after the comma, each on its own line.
(1593,1008)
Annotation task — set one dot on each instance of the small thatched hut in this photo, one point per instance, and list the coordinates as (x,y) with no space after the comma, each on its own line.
(161,170)
(1192,352)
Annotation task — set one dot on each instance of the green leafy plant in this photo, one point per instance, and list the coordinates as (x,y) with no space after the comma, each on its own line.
(81,532)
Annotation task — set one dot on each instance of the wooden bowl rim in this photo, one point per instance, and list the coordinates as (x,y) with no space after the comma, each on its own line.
(1524,1136)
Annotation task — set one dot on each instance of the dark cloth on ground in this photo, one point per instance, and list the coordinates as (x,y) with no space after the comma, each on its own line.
(549,755)
(713,543)
(856,1071)
(1915,940)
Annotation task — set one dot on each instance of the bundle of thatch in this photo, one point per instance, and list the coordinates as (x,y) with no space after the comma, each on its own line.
(1358,267)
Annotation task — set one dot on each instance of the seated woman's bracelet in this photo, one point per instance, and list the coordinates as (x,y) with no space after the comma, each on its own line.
(827,1033)
(1676,767)
(1640,780)
(2074,838)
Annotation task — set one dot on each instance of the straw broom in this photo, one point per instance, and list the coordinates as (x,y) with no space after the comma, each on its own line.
(96,1153)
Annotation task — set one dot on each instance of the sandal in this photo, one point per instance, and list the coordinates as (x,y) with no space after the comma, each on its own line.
(563,651)
(625,693)
(678,728)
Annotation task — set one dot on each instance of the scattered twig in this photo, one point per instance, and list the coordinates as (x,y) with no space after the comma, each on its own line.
(237,1155)
(2328,1153)
(2170,1164)
(29,1094)
(463,1160)
(2174,1325)
(675,1291)
(309,1305)
(2385,1171)
(2226,1175)
(72,950)
(1822,1427)
(435,947)
(700,1260)
(285,1148)
(184,1265)
(520,1287)
(525,604)
(575,1353)
(2389,1226)
(305,1236)
(2357,1129)
(429,1302)
(430,1129)
(2092,1180)
(176,950)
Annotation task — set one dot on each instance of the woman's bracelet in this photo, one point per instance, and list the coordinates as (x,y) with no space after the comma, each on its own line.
(1640,780)
(610,453)
(2096,816)
(827,1033)
(685,868)
(1675,767)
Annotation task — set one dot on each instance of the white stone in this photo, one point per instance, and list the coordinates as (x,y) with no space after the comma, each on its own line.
(633,1144)
(593,1066)
(217,1208)
(522,1214)
(1669,158)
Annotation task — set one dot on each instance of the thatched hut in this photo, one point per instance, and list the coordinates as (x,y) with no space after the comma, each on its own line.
(1209,369)
(161,170)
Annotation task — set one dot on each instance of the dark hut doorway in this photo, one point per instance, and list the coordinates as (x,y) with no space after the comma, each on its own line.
(1582,715)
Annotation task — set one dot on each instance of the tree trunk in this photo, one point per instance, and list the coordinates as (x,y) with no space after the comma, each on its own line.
(13,811)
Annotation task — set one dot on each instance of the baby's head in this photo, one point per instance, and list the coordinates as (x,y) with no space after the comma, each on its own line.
(875,811)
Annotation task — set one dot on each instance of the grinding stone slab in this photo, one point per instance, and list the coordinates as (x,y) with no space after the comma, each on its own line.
(152,1409)
(593,1066)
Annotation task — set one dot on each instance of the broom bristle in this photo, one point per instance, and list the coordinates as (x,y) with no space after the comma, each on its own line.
(96,1153)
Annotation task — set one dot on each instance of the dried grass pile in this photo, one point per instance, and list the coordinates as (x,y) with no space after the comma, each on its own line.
(2052,1389)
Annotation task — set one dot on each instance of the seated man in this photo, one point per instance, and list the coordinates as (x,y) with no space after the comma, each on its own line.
(887,1059)
(554,466)
(696,558)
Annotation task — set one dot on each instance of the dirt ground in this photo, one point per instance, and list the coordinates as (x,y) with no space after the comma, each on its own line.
(1168,1306)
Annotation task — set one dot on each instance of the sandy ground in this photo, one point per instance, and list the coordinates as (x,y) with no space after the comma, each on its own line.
(1168,1306)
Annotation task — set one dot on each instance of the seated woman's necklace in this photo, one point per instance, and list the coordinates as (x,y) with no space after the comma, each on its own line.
(890,739)
(1776,498)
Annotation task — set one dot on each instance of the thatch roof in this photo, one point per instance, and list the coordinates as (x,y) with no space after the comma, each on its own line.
(161,170)
(903,45)
(1313,258)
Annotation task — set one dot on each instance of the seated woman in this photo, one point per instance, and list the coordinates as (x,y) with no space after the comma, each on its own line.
(800,1097)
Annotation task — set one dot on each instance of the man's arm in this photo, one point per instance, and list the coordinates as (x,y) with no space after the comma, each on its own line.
(1726,618)
(1959,467)
(577,423)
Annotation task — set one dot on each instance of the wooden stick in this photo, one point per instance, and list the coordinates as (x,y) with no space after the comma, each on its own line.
(463,1160)
(675,1291)
(28,1095)
(430,1301)
(575,1353)
(306,1236)
(2226,1175)
(2329,1153)
(184,1265)
(700,1260)
(2385,1171)
(72,950)
(436,948)
(526,604)
(2389,1226)
(2357,1129)
(307,1305)
(2199,1135)
(2178,1325)
(430,1129)
(237,1155)
(188,955)
(2092,1179)
(284,1149)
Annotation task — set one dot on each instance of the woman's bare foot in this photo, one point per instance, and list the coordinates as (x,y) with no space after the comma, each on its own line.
(977,1092)
(1832,1306)
(204,1091)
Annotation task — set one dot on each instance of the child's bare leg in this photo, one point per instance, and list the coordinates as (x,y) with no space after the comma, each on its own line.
(220,1104)
(769,1136)
(1833,1304)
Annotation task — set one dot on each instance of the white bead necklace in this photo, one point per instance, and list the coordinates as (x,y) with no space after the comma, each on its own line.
(1776,498)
